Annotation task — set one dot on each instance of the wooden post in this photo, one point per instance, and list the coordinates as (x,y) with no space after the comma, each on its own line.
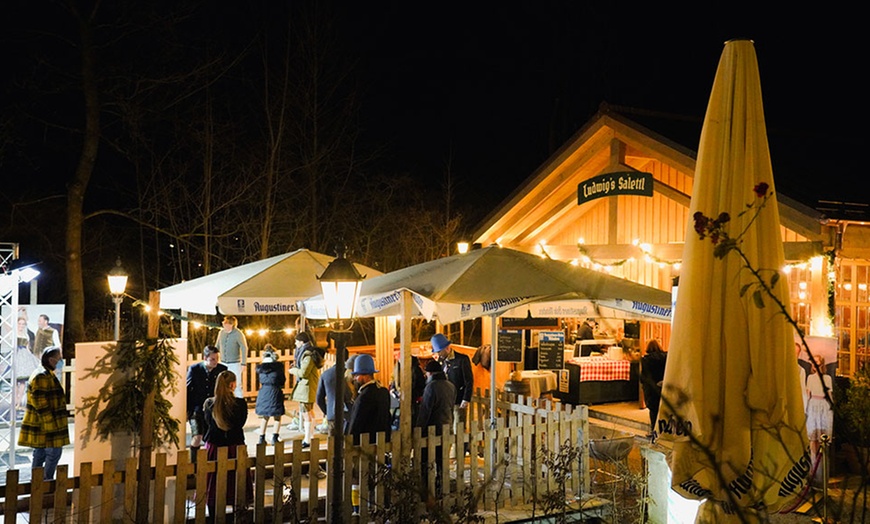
(146,431)
(405,422)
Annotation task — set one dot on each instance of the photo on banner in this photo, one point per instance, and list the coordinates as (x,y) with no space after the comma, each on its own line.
(820,415)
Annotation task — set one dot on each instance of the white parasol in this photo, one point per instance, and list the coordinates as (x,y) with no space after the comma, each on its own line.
(731,381)
(272,286)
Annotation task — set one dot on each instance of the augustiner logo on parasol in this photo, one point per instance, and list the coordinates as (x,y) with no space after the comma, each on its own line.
(612,184)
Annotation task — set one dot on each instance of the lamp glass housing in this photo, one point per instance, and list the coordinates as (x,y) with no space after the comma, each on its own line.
(340,283)
(340,298)
(117,279)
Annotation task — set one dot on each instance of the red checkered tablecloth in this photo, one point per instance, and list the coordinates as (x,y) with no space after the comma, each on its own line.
(602,368)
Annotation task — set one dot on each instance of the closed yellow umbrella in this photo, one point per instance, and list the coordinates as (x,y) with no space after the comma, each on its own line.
(732,399)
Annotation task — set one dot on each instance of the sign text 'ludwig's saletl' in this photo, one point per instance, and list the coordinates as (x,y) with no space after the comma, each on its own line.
(612,184)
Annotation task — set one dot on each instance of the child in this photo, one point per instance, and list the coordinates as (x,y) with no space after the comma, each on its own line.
(270,397)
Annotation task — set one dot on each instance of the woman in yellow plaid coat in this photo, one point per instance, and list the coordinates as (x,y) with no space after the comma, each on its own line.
(45,426)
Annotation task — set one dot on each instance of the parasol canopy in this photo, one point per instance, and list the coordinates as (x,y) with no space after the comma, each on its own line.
(732,399)
(493,280)
(272,286)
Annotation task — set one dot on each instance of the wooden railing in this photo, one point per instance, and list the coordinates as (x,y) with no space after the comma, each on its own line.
(509,474)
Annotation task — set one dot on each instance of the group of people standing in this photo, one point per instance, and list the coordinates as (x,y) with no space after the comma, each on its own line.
(217,412)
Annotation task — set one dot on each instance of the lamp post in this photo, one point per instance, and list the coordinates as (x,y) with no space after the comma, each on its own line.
(117,285)
(340,283)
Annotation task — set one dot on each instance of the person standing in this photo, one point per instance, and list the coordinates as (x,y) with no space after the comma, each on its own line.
(652,373)
(436,409)
(270,397)
(231,342)
(307,375)
(326,396)
(225,416)
(457,367)
(371,408)
(201,379)
(418,383)
(45,427)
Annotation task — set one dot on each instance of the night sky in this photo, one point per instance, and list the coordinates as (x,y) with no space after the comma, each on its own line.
(497,89)
(488,90)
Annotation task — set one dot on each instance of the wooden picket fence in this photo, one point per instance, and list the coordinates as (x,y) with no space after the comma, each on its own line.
(510,473)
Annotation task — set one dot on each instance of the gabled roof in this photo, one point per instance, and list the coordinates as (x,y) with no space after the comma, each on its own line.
(600,146)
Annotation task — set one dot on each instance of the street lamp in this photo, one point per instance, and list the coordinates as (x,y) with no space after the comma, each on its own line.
(117,285)
(340,283)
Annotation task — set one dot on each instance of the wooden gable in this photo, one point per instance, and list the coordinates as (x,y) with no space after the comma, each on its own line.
(543,213)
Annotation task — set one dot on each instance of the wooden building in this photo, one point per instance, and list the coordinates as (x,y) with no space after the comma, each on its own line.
(561,211)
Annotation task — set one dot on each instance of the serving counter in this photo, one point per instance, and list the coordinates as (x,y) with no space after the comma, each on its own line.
(598,380)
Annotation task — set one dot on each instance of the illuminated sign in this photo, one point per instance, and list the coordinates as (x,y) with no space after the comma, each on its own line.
(612,184)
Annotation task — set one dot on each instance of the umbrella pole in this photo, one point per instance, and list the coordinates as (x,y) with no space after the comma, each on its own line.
(492,368)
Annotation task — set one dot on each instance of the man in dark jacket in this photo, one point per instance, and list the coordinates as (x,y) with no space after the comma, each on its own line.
(439,397)
(436,409)
(201,378)
(326,395)
(371,408)
(457,367)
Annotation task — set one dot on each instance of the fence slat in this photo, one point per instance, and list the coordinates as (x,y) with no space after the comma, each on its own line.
(182,472)
(240,504)
(159,491)
(11,494)
(61,486)
(83,501)
(277,484)
(107,490)
(296,477)
(130,468)
(202,467)
(220,485)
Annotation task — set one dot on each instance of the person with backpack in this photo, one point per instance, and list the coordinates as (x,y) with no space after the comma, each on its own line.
(307,372)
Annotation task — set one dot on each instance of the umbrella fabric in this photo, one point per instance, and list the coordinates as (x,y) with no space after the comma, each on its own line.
(732,377)
(493,280)
(266,287)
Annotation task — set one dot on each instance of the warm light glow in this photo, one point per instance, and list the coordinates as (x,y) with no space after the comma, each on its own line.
(462,247)
(249,332)
(847,286)
(575,262)
(581,240)
(117,279)
(786,270)
(289,330)
(802,295)
(646,248)
(802,285)
(340,298)
(147,308)
(677,266)
(635,242)
(117,284)
(262,332)
(195,325)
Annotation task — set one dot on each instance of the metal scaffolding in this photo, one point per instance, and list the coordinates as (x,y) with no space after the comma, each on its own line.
(8,333)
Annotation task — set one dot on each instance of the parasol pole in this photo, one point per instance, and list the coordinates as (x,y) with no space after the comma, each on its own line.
(493,352)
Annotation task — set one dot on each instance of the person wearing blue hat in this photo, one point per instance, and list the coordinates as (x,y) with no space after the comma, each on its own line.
(371,409)
(457,367)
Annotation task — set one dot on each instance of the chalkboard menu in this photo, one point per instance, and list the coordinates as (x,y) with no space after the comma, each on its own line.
(510,346)
(551,347)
